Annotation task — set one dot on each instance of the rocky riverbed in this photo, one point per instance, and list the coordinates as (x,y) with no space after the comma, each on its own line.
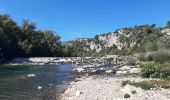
(101,78)
(89,65)
(109,88)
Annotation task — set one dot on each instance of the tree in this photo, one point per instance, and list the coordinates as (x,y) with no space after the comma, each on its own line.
(164,43)
(168,24)
(26,41)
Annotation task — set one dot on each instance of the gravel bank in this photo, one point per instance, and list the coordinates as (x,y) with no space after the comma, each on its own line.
(109,88)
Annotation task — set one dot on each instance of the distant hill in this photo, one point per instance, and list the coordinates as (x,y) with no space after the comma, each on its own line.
(124,41)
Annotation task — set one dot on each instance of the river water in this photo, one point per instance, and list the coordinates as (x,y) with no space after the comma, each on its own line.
(16,85)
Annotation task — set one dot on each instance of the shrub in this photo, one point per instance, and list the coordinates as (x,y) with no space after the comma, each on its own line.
(152,46)
(125,82)
(160,83)
(144,85)
(131,61)
(141,57)
(126,96)
(160,57)
(164,42)
(153,71)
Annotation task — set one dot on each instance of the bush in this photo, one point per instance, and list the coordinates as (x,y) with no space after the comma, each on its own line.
(144,85)
(152,46)
(159,57)
(125,82)
(164,43)
(153,71)
(147,85)
(142,57)
(126,96)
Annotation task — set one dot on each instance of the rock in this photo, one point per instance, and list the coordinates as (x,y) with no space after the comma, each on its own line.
(93,71)
(78,93)
(134,70)
(102,68)
(31,75)
(109,71)
(121,72)
(118,72)
(80,70)
(39,87)
(124,72)
(125,68)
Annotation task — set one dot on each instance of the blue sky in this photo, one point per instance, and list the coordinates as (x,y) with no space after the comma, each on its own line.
(85,18)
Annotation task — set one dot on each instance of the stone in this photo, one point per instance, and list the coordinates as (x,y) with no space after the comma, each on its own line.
(31,75)
(121,72)
(134,70)
(80,70)
(124,72)
(109,71)
(39,87)
(78,93)
(125,68)
(118,72)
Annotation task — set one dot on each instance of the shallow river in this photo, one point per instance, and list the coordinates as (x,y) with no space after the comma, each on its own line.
(16,85)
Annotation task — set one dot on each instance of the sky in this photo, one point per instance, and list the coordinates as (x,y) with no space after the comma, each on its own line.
(72,19)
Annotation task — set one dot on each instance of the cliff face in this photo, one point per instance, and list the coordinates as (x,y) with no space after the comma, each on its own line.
(121,39)
(115,39)
(105,41)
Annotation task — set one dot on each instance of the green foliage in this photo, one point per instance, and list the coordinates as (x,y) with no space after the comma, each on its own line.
(142,57)
(26,41)
(152,46)
(160,57)
(153,71)
(147,85)
(144,85)
(164,43)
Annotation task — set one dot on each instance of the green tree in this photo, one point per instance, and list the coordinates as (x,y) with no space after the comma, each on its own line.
(168,24)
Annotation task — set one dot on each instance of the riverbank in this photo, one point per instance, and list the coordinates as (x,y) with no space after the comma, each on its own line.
(100,78)
(114,59)
(102,81)
(109,88)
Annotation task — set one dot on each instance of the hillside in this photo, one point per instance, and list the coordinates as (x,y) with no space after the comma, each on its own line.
(123,41)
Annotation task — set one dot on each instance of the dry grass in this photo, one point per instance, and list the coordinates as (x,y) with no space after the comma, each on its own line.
(147,85)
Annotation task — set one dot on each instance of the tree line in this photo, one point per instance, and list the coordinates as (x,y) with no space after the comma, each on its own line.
(27,41)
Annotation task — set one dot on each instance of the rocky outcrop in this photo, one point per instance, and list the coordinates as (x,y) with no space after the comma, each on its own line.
(166,31)
(117,38)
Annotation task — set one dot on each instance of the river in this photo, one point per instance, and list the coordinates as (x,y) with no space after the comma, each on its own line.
(16,85)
